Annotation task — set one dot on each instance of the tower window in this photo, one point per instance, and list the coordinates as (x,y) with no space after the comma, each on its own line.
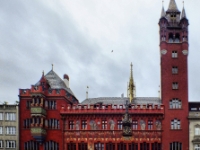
(174,54)
(175,104)
(175,85)
(170,40)
(177,38)
(174,70)
(175,124)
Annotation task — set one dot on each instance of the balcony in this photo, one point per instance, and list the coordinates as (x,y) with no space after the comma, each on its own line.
(37,110)
(38,133)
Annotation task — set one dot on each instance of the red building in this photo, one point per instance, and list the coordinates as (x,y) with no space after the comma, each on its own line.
(51,118)
(39,115)
(174,77)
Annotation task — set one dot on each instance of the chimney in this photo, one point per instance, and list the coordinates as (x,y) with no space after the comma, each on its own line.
(66,80)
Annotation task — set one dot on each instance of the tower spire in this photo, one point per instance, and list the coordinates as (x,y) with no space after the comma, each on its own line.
(163,12)
(131,85)
(183,14)
(172,6)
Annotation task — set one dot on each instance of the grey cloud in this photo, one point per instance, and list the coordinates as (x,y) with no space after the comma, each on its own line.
(35,34)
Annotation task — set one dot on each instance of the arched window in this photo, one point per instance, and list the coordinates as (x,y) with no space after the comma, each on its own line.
(175,103)
(82,146)
(144,146)
(156,146)
(121,146)
(175,124)
(170,38)
(175,146)
(177,38)
(31,145)
(51,145)
(98,146)
(133,146)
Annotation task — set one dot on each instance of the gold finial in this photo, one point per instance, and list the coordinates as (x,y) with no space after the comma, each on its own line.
(43,73)
(52,66)
(131,85)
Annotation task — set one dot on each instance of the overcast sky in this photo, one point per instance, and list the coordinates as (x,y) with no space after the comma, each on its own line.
(78,36)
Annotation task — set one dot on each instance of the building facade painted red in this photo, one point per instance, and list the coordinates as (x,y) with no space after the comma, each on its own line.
(51,118)
(40,123)
(174,76)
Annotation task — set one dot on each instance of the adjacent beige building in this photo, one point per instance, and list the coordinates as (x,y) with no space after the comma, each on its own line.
(194,125)
(9,127)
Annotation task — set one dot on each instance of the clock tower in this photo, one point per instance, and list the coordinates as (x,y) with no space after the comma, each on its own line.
(174,45)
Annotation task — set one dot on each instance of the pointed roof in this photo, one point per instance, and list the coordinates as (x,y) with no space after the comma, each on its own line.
(163,12)
(55,82)
(122,100)
(131,85)
(183,14)
(172,6)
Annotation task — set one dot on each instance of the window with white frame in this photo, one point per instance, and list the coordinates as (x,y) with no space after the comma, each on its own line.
(1,143)
(175,103)
(10,130)
(197,130)
(174,54)
(175,124)
(174,70)
(10,116)
(1,116)
(175,85)
(197,147)
(10,144)
(1,130)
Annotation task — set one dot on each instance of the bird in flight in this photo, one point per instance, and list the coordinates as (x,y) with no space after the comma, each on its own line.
(111,51)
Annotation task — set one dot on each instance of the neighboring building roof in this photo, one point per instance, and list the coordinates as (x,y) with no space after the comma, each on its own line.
(122,100)
(55,82)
